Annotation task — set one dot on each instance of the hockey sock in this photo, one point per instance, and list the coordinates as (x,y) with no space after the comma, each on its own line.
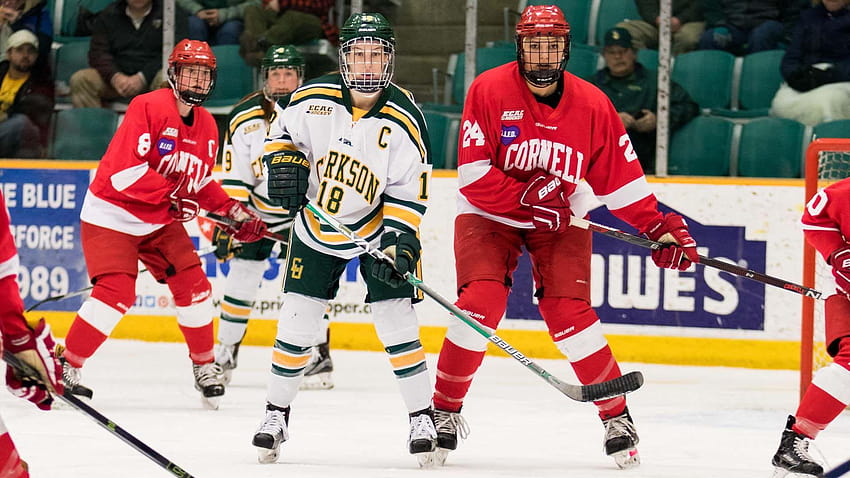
(200,342)
(455,370)
(11,464)
(827,396)
(241,287)
(82,341)
(598,367)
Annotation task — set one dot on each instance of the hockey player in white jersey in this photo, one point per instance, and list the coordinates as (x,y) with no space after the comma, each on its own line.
(282,69)
(355,145)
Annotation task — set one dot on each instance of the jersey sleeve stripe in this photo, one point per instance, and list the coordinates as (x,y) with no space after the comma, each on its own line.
(318,91)
(282,144)
(405,216)
(248,115)
(627,195)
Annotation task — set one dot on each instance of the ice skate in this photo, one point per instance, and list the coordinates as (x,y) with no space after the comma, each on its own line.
(317,374)
(71,377)
(450,426)
(423,437)
(272,432)
(621,439)
(225,357)
(792,458)
(208,381)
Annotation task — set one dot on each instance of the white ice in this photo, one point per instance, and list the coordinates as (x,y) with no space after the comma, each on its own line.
(694,422)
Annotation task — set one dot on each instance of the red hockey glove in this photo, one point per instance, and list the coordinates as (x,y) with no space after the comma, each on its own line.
(250,227)
(680,249)
(840,262)
(36,349)
(550,210)
(184,206)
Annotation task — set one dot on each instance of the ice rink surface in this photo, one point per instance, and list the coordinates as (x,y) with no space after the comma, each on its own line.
(693,422)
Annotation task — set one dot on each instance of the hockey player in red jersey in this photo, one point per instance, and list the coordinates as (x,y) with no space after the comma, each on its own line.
(826,226)
(530,133)
(34,347)
(155,175)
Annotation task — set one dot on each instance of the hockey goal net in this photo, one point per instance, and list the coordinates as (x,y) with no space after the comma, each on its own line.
(827,161)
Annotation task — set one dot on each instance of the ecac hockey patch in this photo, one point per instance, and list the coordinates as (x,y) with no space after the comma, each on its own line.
(509,134)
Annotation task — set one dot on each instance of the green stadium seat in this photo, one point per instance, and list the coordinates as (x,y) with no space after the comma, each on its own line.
(577,13)
(584,62)
(234,79)
(771,148)
(438,130)
(648,58)
(82,133)
(66,16)
(703,147)
(832,129)
(758,81)
(451,141)
(612,12)
(70,57)
(707,76)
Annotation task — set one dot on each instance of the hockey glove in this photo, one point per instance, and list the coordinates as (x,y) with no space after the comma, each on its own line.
(248,228)
(184,206)
(679,250)
(550,210)
(404,248)
(840,262)
(289,176)
(225,249)
(36,349)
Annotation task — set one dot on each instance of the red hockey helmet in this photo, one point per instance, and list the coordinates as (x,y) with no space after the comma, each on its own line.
(192,53)
(542,21)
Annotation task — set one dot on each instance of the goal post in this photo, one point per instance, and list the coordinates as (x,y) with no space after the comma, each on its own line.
(827,161)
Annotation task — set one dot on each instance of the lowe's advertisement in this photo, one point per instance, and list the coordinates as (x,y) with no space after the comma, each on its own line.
(754,224)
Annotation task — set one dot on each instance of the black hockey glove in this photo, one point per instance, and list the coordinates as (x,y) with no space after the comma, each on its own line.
(225,249)
(289,176)
(404,248)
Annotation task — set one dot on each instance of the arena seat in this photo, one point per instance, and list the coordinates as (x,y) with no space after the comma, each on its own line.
(610,13)
(438,130)
(584,61)
(577,13)
(70,57)
(485,59)
(234,79)
(832,129)
(771,148)
(703,147)
(707,76)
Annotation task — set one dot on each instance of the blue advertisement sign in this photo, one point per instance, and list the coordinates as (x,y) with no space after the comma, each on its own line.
(628,288)
(44,205)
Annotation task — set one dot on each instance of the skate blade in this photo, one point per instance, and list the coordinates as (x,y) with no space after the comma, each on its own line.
(440,456)
(627,458)
(211,403)
(319,381)
(266,456)
(425,459)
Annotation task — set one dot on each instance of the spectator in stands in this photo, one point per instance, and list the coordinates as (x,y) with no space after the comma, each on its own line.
(26,99)
(32,15)
(686,25)
(632,89)
(816,66)
(283,22)
(748,26)
(217,22)
(125,54)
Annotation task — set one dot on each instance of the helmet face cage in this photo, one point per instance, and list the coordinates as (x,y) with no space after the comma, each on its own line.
(275,95)
(192,86)
(277,57)
(367,63)
(543,44)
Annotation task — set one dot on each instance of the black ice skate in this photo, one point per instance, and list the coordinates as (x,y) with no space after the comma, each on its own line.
(209,382)
(317,373)
(71,377)
(225,357)
(422,440)
(793,454)
(273,431)
(450,426)
(621,439)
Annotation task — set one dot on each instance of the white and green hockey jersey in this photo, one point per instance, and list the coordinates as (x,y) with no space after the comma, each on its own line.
(242,162)
(371,170)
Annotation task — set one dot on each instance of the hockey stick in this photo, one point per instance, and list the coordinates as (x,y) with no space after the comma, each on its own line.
(582,393)
(101,420)
(200,252)
(839,470)
(706,261)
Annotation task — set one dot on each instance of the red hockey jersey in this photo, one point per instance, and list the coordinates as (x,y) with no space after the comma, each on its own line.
(507,136)
(130,191)
(826,220)
(12,321)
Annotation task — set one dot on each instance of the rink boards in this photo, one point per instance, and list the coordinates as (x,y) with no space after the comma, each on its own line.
(700,316)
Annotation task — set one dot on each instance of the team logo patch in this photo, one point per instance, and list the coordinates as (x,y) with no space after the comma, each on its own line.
(165,146)
(170,132)
(512,115)
(509,134)
(320,110)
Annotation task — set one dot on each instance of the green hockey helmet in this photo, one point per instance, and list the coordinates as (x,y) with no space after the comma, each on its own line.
(367,52)
(281,56)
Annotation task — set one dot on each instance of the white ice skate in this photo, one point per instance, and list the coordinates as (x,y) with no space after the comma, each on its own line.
(272,432)
(225,357)
(450,426)
(423,438)
(620,441)
(208,381)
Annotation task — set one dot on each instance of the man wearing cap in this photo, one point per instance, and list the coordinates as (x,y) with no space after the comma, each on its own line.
(26,99)
(633,90)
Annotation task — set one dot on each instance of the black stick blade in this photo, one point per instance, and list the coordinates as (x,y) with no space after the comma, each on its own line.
(612,388)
